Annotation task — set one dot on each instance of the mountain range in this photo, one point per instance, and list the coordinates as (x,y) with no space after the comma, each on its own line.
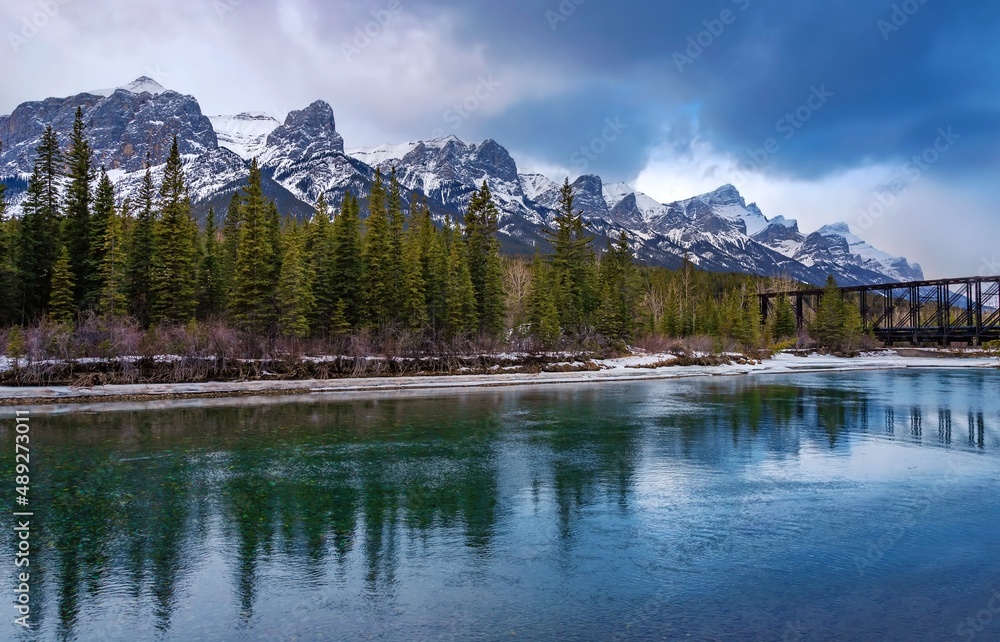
(304,157)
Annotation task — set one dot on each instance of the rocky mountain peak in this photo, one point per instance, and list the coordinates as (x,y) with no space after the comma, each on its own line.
(144,84)
(725,195)
(306,134)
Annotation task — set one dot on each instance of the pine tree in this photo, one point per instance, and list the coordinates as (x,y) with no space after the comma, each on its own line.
(619,290)
(252,301)
(413,296)
(294,292)
(543,315)
(574,276)
(461,316)
(481,227)
(39,232)
(853,325)
(138,273)
(231,236)
(347,264)
(211,275)
(828,327)
(62,309)
(396,220)
(7,275)
(433,265)
(784,319)
(748,328)
(378,285)
(114,262)
(274,237)
(100,219)
(174,264)
(320,253)
(78,229)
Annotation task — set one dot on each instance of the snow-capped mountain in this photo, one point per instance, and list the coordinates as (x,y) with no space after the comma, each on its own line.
(304,156)
(126,126)
(244,134)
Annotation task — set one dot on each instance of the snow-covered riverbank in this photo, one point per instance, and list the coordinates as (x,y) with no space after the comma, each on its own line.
(635,368)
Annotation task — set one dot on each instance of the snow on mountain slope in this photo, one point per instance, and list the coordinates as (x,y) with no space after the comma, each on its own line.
(727,202)
(873,258)
(534,185)
(304,157)
(124,128)
(245,134)
(377,156)
(142,84)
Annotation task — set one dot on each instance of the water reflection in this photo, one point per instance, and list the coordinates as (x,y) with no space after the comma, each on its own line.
(358,497)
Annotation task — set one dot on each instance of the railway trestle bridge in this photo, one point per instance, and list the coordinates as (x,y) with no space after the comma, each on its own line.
(943,311)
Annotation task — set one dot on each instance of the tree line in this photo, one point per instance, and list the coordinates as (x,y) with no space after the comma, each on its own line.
(77,250)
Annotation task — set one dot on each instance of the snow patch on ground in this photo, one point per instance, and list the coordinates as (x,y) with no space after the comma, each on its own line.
(611,370)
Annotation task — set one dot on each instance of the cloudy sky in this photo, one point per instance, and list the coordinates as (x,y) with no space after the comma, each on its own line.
(881,113)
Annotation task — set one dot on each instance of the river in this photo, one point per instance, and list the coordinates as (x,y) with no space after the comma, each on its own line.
(826,506)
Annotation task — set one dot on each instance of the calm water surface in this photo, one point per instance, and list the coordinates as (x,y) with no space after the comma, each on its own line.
(838,506)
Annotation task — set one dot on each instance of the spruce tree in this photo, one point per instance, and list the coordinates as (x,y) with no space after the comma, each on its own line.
(481,227)
(784,319)
(211,275)
(100,219)
(433,265)
(294,292)
(748,328)
(413,295)
(274,236)
(231,236)
(828,327)
(378,285)
(113,300)
(174,266)
(347,264)
(39,232)
(396,220)
(543,315)
(79,232)
(320,253)
(460,302)
(62,308)
(7,277)
(619,290)
(573,266)
(853,328)
(252,302)
(138,273)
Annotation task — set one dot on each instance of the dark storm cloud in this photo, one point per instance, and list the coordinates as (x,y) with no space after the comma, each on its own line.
(735,73)
(898,71)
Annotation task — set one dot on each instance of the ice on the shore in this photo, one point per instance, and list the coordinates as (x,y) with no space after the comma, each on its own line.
(611,370)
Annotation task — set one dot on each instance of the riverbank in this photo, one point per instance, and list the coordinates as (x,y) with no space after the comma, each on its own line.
(634,368)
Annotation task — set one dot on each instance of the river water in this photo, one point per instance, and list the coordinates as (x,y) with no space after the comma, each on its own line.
(825,506)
